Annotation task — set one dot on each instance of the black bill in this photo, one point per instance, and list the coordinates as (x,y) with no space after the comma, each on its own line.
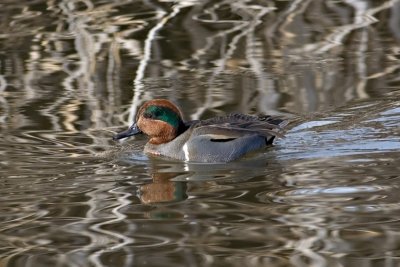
(134,129)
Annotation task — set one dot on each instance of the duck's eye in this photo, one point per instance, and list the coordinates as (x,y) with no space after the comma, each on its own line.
(148,115)
(153,112)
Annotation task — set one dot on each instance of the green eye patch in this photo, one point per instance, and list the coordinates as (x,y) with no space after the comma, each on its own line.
(163,114)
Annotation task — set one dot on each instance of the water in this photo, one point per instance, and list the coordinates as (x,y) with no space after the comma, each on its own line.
(72,73)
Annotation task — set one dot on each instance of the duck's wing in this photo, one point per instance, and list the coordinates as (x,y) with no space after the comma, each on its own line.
(237,125)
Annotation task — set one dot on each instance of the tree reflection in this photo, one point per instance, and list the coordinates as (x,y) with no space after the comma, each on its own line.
(78,58)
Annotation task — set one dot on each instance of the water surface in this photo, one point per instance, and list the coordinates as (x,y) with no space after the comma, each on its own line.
(72,73)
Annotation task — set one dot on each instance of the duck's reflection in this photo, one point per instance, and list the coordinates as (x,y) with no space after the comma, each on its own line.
(171,181)
(162,189)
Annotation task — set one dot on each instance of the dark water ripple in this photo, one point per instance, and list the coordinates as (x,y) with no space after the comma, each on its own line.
(286,206)
(325,195)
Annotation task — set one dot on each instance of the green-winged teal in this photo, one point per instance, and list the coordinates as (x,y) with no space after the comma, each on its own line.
(219,139)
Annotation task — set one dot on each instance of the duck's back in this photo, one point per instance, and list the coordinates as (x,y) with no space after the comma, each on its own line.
(264,124)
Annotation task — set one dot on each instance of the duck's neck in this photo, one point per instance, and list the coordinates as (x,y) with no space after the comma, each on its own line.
(182,127)
(168,133)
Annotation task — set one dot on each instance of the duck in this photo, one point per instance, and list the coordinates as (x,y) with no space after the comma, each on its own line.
(215,140)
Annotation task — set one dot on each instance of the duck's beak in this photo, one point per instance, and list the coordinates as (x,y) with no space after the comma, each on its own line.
(134,129)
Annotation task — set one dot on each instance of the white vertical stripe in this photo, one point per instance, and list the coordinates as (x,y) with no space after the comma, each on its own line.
(186,151)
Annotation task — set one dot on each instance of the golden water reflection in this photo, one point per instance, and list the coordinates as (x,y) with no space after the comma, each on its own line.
(212,57)
(73,72)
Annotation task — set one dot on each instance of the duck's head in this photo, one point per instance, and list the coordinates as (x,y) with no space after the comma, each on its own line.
(160,119)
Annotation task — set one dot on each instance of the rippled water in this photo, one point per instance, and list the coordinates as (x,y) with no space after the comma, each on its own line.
(72,73)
